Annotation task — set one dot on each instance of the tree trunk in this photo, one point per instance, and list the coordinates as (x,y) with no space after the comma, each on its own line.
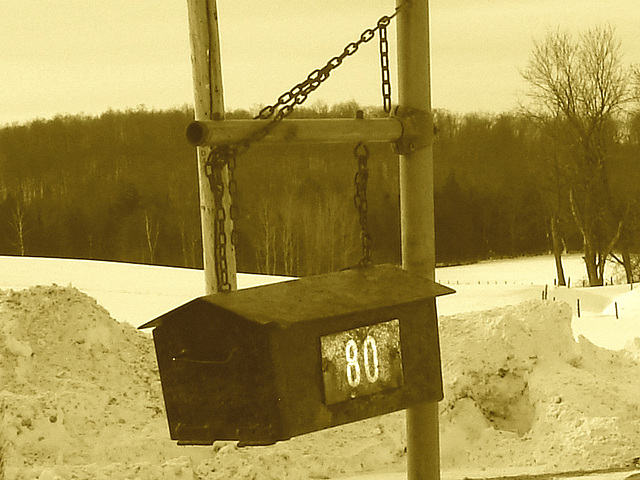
(600,258)
(626,263)
(18,223)
(590,260)
(557,251)
(152,236)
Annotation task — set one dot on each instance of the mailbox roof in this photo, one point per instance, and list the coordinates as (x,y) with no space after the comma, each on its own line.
(325,295)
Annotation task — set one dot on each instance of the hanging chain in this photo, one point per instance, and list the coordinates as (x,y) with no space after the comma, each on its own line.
(300,92)
(361,152)
(222,156)
(384,63)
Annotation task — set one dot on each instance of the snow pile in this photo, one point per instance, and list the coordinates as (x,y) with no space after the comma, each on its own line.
(78,388)
(80,398)
(521,393)
(627,306)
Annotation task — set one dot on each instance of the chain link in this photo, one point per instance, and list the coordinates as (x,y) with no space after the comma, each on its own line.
(384,63)
(221,156)
(361,153)
(300,92)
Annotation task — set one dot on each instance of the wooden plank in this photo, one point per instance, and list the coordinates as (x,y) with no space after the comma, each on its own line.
(325,130)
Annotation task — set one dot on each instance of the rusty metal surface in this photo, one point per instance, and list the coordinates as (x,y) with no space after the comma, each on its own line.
(327,295)
(217,381)
(257,367)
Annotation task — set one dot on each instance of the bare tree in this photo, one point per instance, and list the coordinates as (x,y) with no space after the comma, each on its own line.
(18,222)
(554,188)
(189,245)
(583,84)
(289,241)
(152,230)
(265,243)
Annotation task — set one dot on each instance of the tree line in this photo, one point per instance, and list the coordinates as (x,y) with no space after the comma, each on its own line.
(122,186)
(560,175)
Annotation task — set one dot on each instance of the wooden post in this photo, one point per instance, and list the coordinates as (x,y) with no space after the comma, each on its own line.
(209,105)
(417,212)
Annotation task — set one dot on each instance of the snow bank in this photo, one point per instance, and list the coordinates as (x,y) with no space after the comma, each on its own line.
(80,398)
(521,393)
(78,388)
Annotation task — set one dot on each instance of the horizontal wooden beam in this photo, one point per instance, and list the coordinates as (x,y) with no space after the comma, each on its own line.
(321,130)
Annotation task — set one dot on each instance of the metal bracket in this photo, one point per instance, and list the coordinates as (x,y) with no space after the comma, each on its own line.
(417,130)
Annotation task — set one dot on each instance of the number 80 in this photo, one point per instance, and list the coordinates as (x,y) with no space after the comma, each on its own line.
(371,366)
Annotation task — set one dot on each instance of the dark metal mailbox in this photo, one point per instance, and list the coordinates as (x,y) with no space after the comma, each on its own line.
(267,363)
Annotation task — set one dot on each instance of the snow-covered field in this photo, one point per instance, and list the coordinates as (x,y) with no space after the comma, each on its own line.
(131,293)
(529,386)
(137,293)
(499,283)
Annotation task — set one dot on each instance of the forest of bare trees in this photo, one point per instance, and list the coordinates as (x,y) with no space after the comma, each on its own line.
(122,186)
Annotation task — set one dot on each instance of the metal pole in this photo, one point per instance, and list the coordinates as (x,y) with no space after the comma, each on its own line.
(209,105)
(417,215)
(317,130)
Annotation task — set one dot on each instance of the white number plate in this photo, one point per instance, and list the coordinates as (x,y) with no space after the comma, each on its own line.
(361,361)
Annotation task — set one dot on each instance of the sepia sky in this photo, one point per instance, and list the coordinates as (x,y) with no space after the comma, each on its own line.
(86,56)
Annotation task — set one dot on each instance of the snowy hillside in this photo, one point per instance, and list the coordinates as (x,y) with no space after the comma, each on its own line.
(80,395)
(131,293)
